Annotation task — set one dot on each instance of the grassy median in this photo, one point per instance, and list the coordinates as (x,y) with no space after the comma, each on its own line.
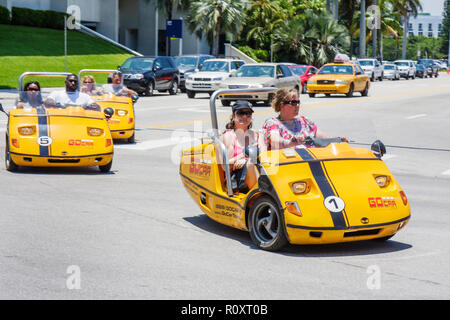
(25,49)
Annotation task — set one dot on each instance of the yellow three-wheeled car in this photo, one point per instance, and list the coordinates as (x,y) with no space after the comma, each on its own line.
(327,194)
(57,135)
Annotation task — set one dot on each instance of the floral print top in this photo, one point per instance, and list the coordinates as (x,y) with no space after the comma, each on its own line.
(301,125)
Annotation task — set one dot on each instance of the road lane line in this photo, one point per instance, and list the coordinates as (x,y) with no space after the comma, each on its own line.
(416,116)
(312,106)
(153,144)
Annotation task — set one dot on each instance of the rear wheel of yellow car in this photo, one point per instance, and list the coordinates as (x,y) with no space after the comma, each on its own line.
(9,163)
(266,225)
(350,91)
(106,167)
(366,91)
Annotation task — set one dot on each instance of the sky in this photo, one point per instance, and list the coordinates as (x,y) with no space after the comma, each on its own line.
(434,7)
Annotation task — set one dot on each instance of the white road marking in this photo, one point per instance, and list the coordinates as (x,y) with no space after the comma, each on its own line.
(446,172)
(202,110)
(153,144)
(388,156)
(416,116)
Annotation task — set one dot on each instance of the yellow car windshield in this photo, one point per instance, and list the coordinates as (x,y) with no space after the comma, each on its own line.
(336,69)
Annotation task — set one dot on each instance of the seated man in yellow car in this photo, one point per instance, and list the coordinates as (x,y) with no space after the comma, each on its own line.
(72,96)
(116,87)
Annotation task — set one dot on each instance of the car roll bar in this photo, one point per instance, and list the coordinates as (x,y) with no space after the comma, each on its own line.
(215,126)
(40,74)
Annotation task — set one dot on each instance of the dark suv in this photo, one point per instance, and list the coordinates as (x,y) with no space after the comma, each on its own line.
(145,74)
(189,64)
(432,67)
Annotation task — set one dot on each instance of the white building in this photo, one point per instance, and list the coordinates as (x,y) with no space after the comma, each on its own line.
(130,22)
(425,25)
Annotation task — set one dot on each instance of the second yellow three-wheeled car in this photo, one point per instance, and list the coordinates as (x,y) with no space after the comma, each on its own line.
(329,193)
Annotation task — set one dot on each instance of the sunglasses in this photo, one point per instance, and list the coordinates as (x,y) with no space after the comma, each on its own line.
(292,102)
(244,113)
(32,89)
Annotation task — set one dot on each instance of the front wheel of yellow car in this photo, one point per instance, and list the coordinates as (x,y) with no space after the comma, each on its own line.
(266,225)
(106,167)
(9,163)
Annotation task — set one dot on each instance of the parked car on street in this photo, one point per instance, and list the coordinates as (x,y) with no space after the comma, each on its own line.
(432,67)
(304,72)
(146,74)
(421,71)
(390,71)
(211,74)
(407,68)
(372,68)
(259,75)
(188,64)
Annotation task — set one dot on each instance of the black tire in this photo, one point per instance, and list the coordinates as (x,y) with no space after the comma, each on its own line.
(149,89)
(350,91)
(190,94)
(266,225)
(311,95)
(304,89)
(9,163)
(436,75)
(365,92)
(372,78)
(226,103)
(106,167)
(132,139)
(327,95)
(173,90)
(381,77)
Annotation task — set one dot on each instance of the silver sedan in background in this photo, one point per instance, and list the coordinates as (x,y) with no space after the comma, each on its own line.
(391,71)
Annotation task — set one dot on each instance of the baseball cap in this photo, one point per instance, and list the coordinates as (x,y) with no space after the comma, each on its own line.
(242,104)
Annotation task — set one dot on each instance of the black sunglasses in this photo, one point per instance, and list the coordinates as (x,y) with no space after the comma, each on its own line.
(244,113)
(32,89)
(292,102)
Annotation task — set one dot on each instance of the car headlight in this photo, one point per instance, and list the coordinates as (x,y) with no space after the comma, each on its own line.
(137,76)
(189,77)
(299,187)
(95,131)
(27,131)
(341,82)
(382,181)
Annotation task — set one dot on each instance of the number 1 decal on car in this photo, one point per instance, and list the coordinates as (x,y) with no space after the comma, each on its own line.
(334,204)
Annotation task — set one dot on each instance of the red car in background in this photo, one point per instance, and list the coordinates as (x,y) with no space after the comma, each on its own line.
(304,72)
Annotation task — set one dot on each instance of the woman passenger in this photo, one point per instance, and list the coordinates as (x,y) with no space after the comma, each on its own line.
(236,138)
(30,95)
(288,129)
(89,86)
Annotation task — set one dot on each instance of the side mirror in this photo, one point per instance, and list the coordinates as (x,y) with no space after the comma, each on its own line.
(378,149)
(109,112)
(252,153)
(134,98)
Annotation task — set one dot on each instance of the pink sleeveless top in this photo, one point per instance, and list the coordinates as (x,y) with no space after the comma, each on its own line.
(238,149)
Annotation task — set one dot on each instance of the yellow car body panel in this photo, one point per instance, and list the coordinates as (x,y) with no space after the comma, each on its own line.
(58,138)
(122,123)
(328,81)
(337,171)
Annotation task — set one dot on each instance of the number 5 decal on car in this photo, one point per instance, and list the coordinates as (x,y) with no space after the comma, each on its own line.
(44,141)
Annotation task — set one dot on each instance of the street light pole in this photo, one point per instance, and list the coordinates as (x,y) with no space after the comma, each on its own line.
(362,30)
(374,31)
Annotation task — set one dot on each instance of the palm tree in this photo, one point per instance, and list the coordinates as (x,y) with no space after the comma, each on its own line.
(406,8)
(210,18)
(292,40)
(263,17)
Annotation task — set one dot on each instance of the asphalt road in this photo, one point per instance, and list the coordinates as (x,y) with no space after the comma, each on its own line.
(136,234)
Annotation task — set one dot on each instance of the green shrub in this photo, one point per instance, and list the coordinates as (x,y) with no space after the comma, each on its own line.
(38,18)
(5,16)
(258,55)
